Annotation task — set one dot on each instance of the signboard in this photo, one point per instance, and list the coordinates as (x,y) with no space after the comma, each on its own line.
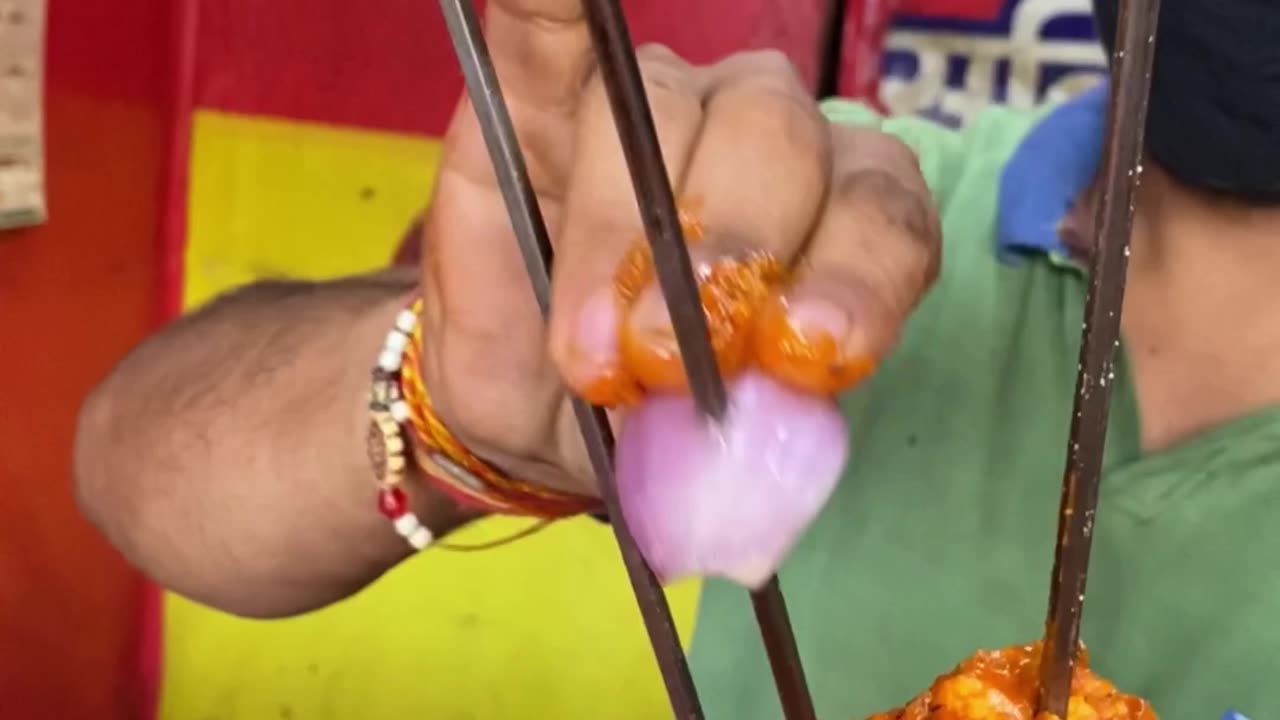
(22,192)
(948,59)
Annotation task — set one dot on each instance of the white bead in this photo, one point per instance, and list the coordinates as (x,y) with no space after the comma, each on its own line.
(421,538)
(400,411)
(396,341)
(407,524)
(405,321)
(389,360)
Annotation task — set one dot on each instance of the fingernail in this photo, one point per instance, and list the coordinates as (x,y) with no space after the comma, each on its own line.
(594,368)
(818,320)
(650,352)
(595,337)
(813,343)
(649,317)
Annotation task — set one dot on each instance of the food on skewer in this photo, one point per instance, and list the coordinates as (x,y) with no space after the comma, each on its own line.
(1004,685)
(727,498)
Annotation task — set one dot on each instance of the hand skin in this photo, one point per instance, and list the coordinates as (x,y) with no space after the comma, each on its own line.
(225,456)
(743,141)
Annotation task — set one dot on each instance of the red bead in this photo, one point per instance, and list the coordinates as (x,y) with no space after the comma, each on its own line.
(392,502)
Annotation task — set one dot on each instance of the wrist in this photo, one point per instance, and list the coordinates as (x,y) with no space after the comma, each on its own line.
(428,482)
(438,510)
(451,464)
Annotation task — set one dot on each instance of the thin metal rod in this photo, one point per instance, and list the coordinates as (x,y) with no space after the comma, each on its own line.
(784,657)
(831,49)
(504,148)
(1122,168)
(535,245)
(631,114)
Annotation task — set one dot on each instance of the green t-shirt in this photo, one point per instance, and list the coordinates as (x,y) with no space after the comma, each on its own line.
(940,538)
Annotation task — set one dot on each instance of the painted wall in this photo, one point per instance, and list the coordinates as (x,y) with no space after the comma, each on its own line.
(74,295)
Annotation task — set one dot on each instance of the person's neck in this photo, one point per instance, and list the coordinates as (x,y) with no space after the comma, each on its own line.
(1202,310)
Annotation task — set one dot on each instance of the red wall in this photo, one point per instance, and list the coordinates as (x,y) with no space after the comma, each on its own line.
(74,295)
(393,68)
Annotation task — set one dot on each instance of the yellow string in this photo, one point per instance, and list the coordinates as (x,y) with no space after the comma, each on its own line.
(533,529)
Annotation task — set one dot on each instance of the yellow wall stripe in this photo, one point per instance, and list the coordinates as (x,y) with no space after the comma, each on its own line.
(545,628)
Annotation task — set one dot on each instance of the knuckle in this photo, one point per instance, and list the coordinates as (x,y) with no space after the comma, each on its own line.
(673,90)
(657,53)
(773,109)
(769,61)
(905,213)
(669,78)
(895,229)
(671,87)
(769,71)
(772,95)
(797,120)
(864,148)
(894,151)
(797,136)
(774,112)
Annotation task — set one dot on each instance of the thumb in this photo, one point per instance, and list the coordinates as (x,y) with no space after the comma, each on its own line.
(479,302)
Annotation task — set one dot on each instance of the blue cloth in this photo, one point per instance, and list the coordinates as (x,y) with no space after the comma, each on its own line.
(1051,167)
(1233,715)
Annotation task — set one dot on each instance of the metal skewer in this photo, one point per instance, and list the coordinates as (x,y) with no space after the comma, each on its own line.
(535,246)
(1126,125)
(631,114)
(621,74)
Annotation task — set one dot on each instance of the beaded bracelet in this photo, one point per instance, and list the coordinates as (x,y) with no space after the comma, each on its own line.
(401,412)
(387,453)
(385,442)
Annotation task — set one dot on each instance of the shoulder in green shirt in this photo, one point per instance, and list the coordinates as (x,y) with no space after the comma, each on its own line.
(939,540)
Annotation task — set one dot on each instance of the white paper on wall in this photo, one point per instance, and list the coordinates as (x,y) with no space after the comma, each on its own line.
(22,186)
(1028,53)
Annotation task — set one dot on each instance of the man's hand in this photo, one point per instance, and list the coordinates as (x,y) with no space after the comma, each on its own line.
(226,455)
(743,141)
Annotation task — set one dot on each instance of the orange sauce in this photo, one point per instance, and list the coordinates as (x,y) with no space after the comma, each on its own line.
(742,296)
(731,291)
(815,363)
(1004,685)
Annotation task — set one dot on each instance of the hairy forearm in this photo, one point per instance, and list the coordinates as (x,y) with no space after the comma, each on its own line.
(226,455)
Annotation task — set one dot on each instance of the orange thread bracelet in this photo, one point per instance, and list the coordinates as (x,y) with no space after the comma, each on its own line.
(390,452)
(458,472)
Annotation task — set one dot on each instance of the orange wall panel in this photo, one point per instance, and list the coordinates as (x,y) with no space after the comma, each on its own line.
(75,294)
